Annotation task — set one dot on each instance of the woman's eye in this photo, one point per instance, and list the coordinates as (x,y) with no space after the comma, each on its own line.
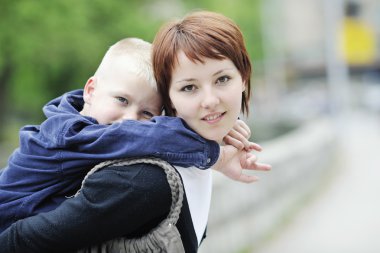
(223,79)
(122,100)
(188,88)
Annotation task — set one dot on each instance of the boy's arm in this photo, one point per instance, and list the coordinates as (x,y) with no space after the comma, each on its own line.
(164,137)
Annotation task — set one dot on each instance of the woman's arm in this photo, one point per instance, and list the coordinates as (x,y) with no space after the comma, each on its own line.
(115,202)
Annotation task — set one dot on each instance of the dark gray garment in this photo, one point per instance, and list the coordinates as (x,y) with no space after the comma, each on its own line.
(163,238)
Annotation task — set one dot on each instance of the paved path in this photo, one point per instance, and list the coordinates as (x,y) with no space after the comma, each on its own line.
(345,217)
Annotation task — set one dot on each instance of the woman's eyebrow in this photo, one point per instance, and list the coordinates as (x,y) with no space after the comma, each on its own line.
(193,79)
(220,71)
(186,80)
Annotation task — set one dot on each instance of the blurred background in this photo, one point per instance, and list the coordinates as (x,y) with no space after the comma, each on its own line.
(315,107)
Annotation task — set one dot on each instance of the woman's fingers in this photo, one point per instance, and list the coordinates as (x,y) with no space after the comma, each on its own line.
(247,178)
(252,164)
(237,139)
(228,140)
(243,128)
(254,146)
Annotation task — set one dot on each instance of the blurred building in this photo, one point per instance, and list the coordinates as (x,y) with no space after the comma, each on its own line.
(297,33)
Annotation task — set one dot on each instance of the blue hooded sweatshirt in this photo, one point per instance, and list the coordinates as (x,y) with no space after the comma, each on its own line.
(54,157)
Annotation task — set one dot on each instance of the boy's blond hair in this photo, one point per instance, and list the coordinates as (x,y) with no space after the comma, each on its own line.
(135,56)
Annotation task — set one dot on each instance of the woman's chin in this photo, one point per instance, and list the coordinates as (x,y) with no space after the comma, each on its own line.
(213,136)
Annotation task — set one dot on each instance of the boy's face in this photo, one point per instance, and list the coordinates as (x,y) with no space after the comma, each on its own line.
(118,96)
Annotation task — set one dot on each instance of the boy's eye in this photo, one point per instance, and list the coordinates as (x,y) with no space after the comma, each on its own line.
(188,88)
(122,100)
(223,79)
(148,115)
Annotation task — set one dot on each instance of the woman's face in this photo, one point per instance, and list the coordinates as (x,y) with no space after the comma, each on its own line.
(207,95)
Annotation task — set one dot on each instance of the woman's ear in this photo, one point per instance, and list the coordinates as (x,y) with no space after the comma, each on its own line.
(244,85)
(89,89)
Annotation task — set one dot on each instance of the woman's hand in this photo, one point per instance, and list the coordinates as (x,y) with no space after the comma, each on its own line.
(236,156)
(232,162)
(239,136)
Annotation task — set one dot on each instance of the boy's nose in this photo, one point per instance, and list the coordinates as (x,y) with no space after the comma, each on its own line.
(131,115)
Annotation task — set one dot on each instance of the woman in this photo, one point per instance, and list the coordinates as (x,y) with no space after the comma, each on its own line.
(203,74)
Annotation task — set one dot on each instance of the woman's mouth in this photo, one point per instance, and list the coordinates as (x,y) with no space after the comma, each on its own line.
(213,118)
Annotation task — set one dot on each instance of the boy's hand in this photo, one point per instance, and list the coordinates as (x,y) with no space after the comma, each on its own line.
(239,136)
(232,162)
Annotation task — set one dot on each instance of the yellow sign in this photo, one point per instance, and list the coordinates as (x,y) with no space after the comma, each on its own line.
(358,46)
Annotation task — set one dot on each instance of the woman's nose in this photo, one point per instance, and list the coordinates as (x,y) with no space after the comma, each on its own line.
(210,99)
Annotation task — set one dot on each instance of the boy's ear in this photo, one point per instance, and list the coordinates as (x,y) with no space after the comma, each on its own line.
(89,89)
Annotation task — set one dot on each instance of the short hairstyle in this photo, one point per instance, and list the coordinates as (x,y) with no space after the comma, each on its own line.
(135,54)
(199,35)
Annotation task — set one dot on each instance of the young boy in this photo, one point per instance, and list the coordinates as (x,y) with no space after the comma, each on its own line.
(85,127)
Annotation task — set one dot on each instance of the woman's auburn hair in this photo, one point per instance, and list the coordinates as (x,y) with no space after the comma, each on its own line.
(199,35)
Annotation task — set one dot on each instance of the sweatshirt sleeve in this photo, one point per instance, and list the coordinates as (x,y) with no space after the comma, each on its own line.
(115,202)
(164,137)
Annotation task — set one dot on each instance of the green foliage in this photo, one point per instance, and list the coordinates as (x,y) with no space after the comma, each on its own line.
(49,47)
(244,12)
(54,46)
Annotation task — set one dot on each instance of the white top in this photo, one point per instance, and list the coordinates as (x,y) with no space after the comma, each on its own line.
(198,188)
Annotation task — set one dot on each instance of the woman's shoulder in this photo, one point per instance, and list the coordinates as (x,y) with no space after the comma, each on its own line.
(146,178)
(136,194)
(146,189)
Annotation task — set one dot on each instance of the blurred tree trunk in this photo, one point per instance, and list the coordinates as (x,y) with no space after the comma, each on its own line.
(5,74)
